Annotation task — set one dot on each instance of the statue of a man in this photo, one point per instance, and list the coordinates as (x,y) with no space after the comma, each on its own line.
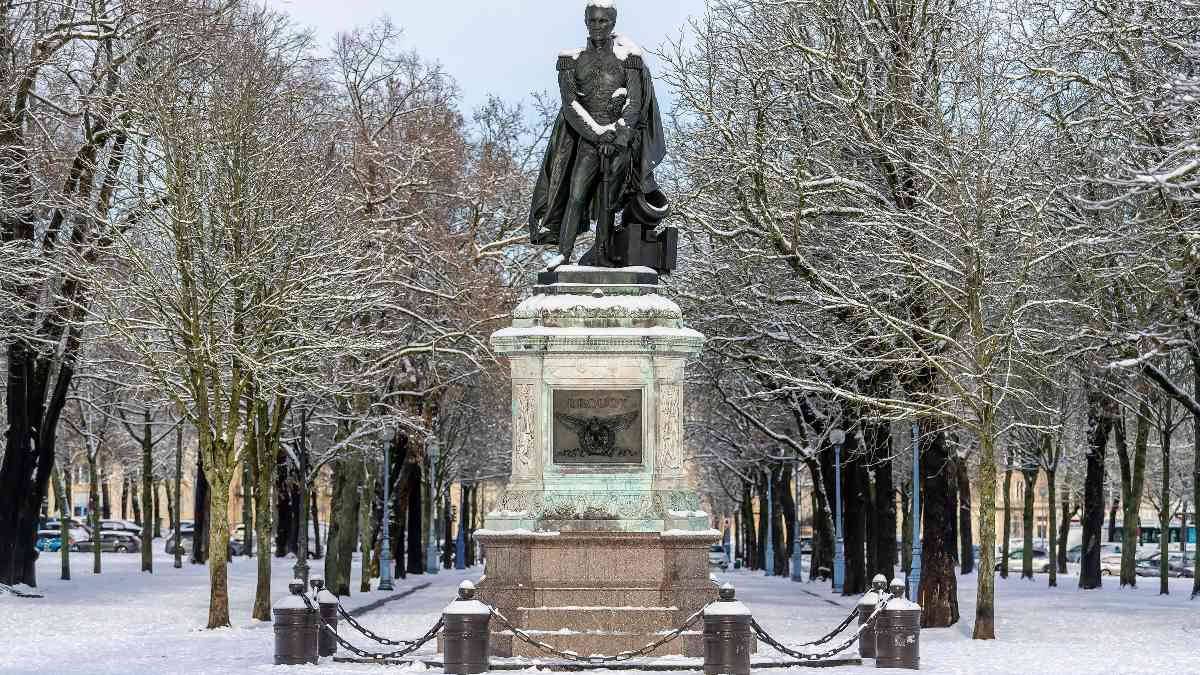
(602,153)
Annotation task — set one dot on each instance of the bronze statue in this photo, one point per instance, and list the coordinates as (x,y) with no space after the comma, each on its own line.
(603,150)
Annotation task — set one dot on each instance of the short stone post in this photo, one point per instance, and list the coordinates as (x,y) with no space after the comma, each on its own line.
(727,635)
(898,632)
(466,634)
(296,628)
(866,607)
(327,603)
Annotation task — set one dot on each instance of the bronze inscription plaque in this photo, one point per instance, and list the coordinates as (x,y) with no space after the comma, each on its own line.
(598,427)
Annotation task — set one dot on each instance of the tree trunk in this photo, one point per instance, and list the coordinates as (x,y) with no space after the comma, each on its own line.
(855,498)
(966,555)
(906,529)
(748,543)
(343,528)
(318,552)
(985,594)
(1030,475)
(822,544)
(1064,530)
(788,513)
(1164,514)
(1112,519)
(762,523)
(247,507)
(1133,483)
(1054,552)
(105,505)
(939,582)
(1195,471)
(285,513)
(1101,409)
(367,528)
(64,517)
(416,511)
(218,552)
(883,505)
(135,497)
(33,404)
(93,511)
(157,510)
(262,456)
(125,496)
(200,505)
(147,493)
(1007,528)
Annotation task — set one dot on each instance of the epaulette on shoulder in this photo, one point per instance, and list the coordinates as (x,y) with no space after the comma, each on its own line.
(566,62)
(633,61)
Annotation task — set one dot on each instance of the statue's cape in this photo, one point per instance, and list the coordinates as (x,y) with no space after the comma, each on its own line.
(553,187)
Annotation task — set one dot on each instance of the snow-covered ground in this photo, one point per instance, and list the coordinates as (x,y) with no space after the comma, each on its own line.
(124,621)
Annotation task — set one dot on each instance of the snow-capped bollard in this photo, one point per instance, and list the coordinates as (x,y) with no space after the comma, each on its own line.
(327,602)
(466,635)
(898,635)
(898,588)
(866,607)
(727,635)
(296,628)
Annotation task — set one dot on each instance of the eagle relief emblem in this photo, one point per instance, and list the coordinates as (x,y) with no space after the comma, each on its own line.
(597,427)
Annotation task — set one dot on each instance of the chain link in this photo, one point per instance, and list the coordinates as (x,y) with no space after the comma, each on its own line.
(599,659)
(399,653)
(762,635)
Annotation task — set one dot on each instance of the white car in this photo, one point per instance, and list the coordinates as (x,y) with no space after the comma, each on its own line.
(716,557)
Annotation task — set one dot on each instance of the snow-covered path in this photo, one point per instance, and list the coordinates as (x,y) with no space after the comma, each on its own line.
(125,622)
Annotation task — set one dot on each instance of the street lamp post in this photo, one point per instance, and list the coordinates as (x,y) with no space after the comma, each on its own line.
(385,546)
(431,552)
(914,574)
(838,437)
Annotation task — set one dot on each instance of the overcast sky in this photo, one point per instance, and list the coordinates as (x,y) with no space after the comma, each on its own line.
(502,47)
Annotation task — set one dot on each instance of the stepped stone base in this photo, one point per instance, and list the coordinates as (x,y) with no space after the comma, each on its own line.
(597,592)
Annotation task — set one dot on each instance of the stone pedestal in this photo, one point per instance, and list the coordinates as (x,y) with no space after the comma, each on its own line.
(599,543)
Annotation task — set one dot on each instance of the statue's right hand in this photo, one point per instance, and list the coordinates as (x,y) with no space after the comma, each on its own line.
(608,137)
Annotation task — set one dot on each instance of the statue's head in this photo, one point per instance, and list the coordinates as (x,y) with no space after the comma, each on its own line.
(601,18)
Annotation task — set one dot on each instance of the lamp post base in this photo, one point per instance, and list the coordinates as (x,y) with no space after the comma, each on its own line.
(839,565)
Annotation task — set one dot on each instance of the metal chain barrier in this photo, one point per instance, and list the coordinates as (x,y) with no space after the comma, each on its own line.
(399,653)
(599,660)
(834,633)
(763,636)
(368,633)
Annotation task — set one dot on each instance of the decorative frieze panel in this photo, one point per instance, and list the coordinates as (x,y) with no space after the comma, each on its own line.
(597,505)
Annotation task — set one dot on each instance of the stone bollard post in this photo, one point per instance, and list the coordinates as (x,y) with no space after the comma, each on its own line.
(866,607)
(327,603)
(727,636)
(296,628)
(898,633)
(466,636)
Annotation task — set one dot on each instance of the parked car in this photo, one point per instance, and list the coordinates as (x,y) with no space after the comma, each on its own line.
(185,542)
(49,541)
(115,542)
(1016,558)
(76,525)
(806,545)
(120,526)
(716,557)
(1110,565)
(1149,566)
(1075,553)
